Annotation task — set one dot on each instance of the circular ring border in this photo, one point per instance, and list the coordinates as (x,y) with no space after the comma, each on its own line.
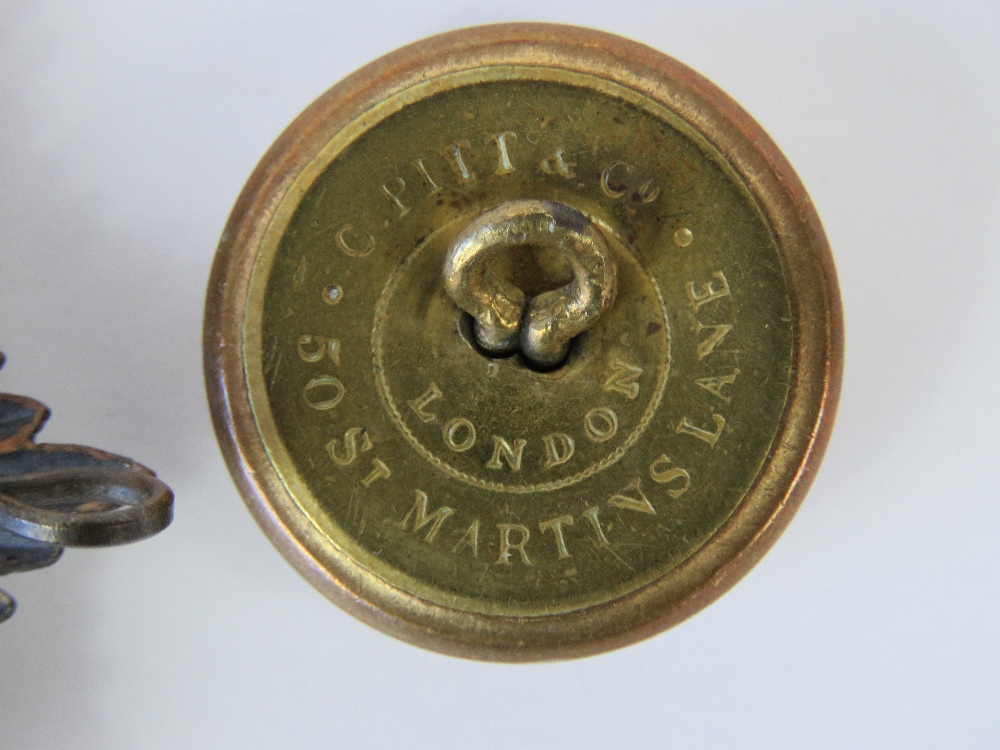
(389,401)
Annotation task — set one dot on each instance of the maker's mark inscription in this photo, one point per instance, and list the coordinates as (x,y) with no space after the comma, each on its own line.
(483,479)
(489,422)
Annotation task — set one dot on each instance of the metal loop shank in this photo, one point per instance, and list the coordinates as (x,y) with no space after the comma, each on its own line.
(544,326)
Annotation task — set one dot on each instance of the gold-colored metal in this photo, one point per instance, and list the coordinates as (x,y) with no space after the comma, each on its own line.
(554,318)
(528,506)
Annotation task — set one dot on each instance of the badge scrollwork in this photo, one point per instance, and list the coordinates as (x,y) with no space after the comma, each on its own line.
(53,496)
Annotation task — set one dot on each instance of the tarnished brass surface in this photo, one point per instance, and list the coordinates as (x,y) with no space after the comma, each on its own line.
(491,506)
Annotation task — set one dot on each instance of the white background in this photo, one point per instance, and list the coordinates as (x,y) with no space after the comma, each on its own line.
(127,128)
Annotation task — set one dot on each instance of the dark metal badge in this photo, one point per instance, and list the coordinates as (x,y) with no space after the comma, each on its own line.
(54,496)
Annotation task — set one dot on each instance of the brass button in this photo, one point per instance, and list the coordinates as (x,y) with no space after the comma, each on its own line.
(523,342)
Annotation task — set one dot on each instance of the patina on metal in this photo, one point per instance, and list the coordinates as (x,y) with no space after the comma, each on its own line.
(53,496)
(523,342)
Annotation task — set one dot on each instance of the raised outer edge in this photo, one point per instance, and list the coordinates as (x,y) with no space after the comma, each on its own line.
(792,463)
